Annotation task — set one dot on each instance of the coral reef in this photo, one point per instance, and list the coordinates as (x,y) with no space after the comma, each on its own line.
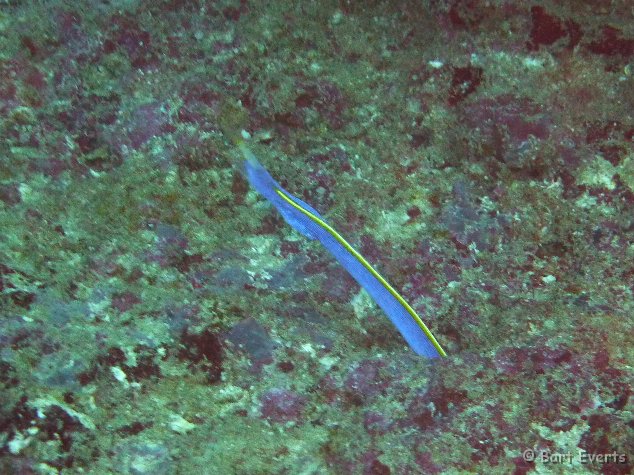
(157,317)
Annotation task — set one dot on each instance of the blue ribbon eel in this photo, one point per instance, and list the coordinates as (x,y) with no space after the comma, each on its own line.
(307,221)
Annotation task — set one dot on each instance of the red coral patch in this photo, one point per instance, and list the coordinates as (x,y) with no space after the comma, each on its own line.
(546,28)
(464,82)
(611,43)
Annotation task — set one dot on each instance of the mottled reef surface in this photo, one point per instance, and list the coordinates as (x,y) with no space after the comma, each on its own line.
(157,316)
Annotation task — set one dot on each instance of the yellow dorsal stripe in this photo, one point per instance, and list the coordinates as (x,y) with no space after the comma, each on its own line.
(367,265)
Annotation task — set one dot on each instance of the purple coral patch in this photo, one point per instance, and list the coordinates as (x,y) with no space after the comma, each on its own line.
(252,338)
(365,381)
(282,405)
(147,121)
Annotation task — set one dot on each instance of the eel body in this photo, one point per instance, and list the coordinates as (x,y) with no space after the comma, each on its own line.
(306,220)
